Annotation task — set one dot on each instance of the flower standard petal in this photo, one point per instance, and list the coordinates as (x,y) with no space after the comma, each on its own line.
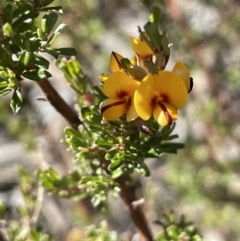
(115,62)
(144,96)
(164,113)
(112,109)
(140,47)
(119,85)
(171,88)
(181,70)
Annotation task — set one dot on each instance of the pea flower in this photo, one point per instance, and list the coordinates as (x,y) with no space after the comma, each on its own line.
(160,95)
(114,64)
(141,48)
(181,70)
(119,88)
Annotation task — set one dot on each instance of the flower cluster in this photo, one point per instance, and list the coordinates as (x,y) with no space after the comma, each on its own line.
(134,91)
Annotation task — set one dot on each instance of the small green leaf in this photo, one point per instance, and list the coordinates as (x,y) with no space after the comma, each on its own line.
(117,173)
(34,46)
(67,51)
(5,91)
(43,30)
(23,61)
(25,22)
(60,28)
(16,101)
(51,21)
(115,165)
(38,60)
(7,30)
(52,52)
(37,74)
(53,38)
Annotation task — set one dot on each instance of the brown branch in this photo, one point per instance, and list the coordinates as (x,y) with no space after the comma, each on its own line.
(127,193)
(59,104)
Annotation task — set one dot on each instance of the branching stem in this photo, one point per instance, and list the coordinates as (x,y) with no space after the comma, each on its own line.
(127,193)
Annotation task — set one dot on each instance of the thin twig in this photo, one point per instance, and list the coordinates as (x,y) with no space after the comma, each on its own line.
(128,195)
(59,104)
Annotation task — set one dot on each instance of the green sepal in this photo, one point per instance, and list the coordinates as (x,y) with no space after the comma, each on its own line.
(126,63)
(154,36)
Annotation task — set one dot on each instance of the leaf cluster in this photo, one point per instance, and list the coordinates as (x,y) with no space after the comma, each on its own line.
(24,38)
(175,229)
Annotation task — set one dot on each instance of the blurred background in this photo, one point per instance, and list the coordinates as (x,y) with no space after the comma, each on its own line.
(203,180)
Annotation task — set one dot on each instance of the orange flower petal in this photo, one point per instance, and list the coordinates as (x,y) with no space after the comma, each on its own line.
(143,96)
(115,62)
(172,87)
(112,109)
(119,84)
(140,47)
(181,70)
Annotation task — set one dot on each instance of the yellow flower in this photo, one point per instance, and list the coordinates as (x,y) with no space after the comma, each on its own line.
(115,65)
(141,48)
(181,70)
(160,95)
(119,88)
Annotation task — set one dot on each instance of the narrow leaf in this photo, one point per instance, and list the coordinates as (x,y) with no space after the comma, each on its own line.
(16,101)
(51,21)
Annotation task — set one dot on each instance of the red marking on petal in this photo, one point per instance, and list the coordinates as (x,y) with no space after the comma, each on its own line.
(165,97)
(104,108)
(118,62)
(122,93)
(166,113)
